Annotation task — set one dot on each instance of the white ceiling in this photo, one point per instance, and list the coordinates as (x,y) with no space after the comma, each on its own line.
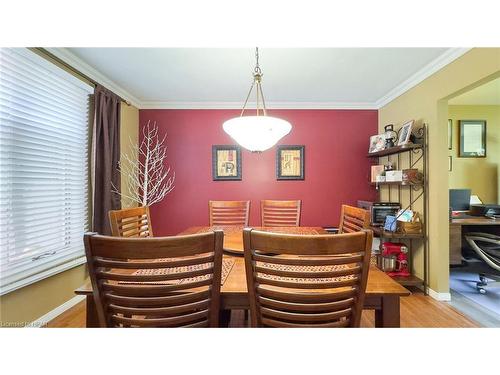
(487,94)
(293,77)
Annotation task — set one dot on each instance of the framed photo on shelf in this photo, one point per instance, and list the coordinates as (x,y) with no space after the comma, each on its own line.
(377,143)
(405,133)
(472,139)
(450,134)
(226,163)
(290,162)
(377,171)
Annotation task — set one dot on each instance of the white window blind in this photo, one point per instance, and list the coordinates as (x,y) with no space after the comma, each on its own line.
(44,135)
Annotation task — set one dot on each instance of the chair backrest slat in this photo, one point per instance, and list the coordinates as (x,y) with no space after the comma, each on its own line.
(156,282)
(229,213)
(131,222)
(276,213)
(353,219)
(309,280)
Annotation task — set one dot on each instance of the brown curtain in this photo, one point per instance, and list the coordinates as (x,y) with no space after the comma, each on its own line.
(106,155)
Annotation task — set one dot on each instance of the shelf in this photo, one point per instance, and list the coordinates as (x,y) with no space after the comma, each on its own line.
(397,183)
(395,150)
(408,280)
(407,194)
(404,280)
(384,234)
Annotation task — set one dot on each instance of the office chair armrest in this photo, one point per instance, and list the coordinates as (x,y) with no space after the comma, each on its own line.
(484,237)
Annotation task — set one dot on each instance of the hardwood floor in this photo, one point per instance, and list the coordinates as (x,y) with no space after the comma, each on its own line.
(417,311)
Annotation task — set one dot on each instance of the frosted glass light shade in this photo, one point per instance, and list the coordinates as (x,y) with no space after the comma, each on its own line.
(257,133)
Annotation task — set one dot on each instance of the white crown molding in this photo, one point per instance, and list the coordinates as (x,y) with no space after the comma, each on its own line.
(440,62)
(251,106)
(447,57)
(77,63)
(51,315)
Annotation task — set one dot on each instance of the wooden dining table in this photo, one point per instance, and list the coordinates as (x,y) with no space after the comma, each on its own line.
(382,292)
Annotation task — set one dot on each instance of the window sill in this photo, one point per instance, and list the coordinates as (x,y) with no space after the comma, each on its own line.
(42,275)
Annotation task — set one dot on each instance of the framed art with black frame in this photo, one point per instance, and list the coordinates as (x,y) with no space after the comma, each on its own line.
(472,139)
(226,163)
(290,162)
(450,134)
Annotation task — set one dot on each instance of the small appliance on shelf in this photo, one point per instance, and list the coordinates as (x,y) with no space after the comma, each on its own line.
(394,259)
(379,211)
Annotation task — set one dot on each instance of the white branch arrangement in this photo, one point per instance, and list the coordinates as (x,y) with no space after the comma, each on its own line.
(148,180)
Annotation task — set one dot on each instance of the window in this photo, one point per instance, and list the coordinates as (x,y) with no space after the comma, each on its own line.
(44,137)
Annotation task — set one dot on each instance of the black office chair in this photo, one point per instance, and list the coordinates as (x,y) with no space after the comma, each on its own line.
(487,247)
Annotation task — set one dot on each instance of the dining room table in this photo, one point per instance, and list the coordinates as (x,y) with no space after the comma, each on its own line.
(382,292)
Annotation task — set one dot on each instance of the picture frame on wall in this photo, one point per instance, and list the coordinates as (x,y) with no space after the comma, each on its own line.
(226,163)
(290,162)
(472,139)
(404,133)
(450,134)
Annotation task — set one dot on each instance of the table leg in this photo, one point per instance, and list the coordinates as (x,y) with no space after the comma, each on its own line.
(92,319)
(388,314)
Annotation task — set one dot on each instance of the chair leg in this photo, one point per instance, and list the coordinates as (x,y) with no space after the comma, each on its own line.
(224,318)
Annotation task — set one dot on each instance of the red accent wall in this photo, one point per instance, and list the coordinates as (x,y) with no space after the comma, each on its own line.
(336,167)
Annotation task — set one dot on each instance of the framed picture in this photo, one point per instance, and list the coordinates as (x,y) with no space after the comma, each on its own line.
(472,139)
(377,143)
(450,134)
(290,162)
(405,133)
(226,163)
(376,172)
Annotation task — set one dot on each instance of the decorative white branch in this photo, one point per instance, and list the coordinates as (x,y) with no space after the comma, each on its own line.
(148,178)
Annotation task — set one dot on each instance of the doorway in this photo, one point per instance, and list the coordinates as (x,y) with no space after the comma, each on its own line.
(474,183)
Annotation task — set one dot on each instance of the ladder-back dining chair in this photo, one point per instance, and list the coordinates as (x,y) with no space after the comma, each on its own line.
(131,222)
(229,213)
(353,219)
(280,213)
(309,280)
(156,282)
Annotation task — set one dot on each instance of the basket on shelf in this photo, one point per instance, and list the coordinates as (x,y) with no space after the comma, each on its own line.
(411,227)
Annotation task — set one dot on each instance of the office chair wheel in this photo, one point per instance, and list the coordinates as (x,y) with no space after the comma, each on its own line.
(481,284)
(483,280)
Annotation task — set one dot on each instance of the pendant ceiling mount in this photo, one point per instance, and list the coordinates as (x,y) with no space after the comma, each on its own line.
(259,132)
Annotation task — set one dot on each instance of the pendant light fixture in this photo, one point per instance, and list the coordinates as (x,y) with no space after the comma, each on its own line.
(260,132)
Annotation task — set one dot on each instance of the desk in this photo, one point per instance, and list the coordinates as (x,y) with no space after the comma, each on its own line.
(382,293)
(458,227)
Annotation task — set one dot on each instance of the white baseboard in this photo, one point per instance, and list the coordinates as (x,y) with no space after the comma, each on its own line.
(43,320)
(439,296)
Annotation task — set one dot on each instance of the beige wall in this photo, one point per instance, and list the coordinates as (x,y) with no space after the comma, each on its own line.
(427,103)
(481,175)
(33,301)
(129,135)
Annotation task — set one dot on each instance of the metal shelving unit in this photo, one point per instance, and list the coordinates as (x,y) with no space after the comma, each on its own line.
(417,153)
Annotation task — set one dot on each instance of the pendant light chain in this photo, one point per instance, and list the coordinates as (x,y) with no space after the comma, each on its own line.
(257,76)
(257,67)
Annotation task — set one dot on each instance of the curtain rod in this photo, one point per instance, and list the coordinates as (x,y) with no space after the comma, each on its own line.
(50,56)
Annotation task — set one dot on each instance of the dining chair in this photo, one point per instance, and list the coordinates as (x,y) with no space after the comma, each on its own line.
(280,213)
(353,219)
(229,212)
(309,280)
(156,282)
(131,222)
